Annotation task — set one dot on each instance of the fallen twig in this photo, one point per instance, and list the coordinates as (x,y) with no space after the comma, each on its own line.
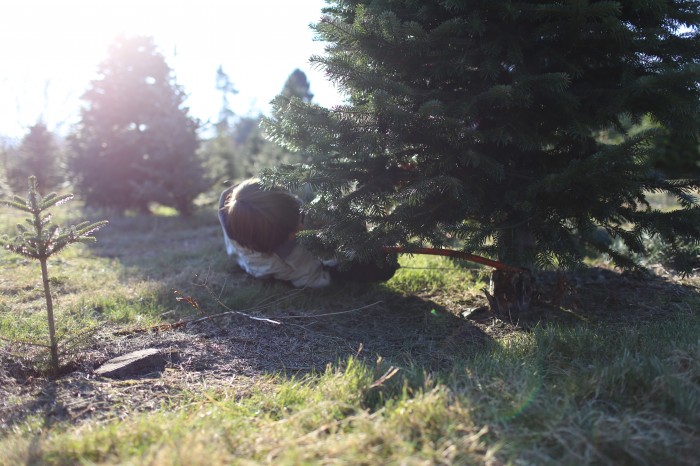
(183,323)
(24,342)
(330,313)
(195,305)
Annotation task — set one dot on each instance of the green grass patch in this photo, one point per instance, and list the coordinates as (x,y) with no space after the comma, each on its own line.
(428,274)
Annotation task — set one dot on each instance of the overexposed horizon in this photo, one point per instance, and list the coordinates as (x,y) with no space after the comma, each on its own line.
(50,51)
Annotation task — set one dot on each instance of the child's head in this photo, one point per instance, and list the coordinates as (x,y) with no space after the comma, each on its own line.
(261,219)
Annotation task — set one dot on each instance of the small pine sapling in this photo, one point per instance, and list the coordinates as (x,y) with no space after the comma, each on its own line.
(43,239)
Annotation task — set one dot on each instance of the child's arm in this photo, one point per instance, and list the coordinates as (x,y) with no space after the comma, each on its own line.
(305,269)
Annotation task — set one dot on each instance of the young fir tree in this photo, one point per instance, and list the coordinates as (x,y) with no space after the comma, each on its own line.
(42,240)
(136,142)
(477,121)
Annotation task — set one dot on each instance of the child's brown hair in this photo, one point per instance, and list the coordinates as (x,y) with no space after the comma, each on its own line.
(260,219)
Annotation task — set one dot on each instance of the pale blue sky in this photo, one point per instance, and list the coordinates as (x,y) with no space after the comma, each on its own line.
(49,52)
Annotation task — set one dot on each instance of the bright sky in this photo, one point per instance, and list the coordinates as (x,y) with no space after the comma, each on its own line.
(50,50)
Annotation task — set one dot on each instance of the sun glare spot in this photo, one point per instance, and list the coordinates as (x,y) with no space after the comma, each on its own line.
(52,50)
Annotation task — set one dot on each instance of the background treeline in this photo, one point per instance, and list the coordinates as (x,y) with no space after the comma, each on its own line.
(136,144)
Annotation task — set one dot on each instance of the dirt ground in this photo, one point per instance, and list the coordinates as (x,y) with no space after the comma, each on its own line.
(235,352)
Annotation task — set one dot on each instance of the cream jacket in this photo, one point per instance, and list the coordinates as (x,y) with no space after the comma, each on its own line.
(290,262)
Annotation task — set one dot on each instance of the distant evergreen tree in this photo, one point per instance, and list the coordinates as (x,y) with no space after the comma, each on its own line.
(5,189)
(175,174)
(237,152)
(38,155)
(217,152)
(218,156)
(240,148)
(226,87)
(261,152)
(136,142)
(247,142)
(477,121)
(297,85)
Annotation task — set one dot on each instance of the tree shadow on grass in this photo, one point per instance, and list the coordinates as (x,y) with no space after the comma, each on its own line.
(187,255)
(603,296)
(159,247)
(234,352)
(162,254)
(362,321)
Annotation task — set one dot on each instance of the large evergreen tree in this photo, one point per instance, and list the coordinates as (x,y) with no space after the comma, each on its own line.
(477,121)
(136,142)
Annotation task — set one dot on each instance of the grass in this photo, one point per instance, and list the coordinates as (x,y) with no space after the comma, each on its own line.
(405,380)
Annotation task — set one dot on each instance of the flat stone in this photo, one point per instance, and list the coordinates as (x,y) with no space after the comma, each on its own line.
(134,364)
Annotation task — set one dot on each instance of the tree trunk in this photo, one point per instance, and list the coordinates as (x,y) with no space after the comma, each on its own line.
(511,291)
(49,313)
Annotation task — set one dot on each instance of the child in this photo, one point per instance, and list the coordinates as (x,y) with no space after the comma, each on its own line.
(260,229)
